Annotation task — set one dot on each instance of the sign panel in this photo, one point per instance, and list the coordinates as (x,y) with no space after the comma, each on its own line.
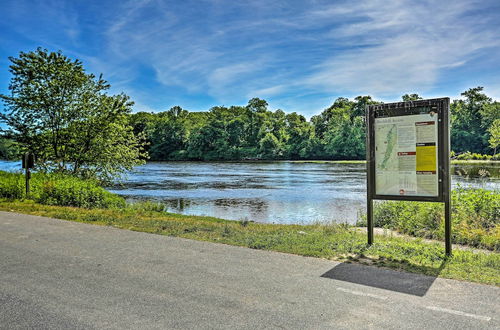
(408,150)
(406,159)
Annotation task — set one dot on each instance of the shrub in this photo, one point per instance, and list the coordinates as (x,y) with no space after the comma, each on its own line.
(472,156)
(58,189)
(475,218)
(12,185)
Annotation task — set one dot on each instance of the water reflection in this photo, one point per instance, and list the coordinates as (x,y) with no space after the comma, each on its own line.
(279,192)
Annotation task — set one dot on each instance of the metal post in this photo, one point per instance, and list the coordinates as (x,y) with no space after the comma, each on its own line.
(447,227)
(370,184)
(369,220)
(27,175)
(446,177)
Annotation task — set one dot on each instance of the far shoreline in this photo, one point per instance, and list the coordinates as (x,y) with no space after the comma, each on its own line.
(313,161)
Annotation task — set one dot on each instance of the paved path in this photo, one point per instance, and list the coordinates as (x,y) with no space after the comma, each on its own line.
(65,275)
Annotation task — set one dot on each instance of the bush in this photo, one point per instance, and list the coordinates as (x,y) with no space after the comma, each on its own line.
(58,189)
(12,185)
(475,218)
(473,156)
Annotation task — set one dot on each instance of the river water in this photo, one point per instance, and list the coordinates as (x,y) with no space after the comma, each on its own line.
(273,192)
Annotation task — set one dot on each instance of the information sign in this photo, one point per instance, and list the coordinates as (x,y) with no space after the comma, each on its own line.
(408,153)
(406,159)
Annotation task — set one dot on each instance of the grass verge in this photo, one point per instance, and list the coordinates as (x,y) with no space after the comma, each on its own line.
(335,242)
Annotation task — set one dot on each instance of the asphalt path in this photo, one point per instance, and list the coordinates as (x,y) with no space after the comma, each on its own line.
(58,274)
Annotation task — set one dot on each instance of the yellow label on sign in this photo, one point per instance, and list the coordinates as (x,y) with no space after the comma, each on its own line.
(426,159)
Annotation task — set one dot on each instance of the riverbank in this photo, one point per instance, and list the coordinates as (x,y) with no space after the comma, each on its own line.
(334,241)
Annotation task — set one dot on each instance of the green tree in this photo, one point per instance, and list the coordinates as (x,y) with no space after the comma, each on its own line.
(411,97)
(169,134)
(494,131)
(270,146)
(468,132)
(8,149)
(347,140)
(63,115)
(299,131)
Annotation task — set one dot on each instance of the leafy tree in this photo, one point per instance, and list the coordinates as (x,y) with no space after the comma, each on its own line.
(169,133)
(299,132)
(489,113)
(347,141)
(8,149)
(359,106)
(468,131)
(63,114)
(411,97)
(270,146)
(494,131)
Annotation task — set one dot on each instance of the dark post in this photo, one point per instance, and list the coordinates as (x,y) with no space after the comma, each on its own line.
(446,177)
(28,162)
(369,175)
(27,173)
(369,220)
(447,226)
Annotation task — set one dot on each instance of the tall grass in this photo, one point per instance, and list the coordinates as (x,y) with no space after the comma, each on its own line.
(475,218)
(58,189)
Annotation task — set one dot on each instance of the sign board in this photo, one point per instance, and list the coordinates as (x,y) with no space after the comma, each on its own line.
(406,161)
(408,152)
(28,160)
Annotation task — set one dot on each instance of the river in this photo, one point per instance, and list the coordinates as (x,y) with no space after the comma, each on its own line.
(272,192)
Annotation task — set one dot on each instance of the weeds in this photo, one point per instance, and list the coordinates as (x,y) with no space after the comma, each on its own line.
(475,218)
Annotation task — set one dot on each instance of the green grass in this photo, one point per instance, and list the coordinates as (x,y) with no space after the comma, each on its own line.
(475,218)
(335,242)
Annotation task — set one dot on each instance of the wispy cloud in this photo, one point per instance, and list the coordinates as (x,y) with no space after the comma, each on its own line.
(414,42)
(299,55)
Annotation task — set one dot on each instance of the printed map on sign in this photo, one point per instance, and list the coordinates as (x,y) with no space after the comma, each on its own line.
(406,155)
(387,136)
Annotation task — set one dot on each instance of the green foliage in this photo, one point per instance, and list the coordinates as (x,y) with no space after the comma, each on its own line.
(475,156)
(8,149)
(470,118)
(338,132)
(270,146)
(12,185)
(411,97)
(494,131)
(475,218)
(64,116)
(58,189)
(347,140)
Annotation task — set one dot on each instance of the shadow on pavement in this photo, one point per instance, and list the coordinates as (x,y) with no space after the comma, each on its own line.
(410,283)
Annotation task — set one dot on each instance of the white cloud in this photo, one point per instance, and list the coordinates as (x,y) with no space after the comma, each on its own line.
(412,43)
(268,91)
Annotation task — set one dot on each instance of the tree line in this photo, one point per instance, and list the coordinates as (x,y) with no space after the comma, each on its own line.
(338,132)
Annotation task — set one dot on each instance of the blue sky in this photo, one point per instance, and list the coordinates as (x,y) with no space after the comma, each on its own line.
(298,55)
